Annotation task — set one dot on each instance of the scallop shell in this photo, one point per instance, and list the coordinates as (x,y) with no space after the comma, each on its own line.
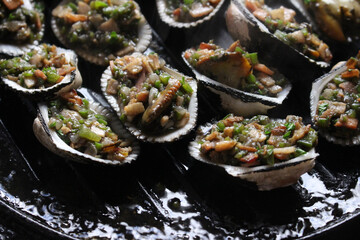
(265,177)
(238,101)
(72,80)
(317,87)
(143,136)
(52,141)
(162,9)
(253,34)
(20,49)
(144,31)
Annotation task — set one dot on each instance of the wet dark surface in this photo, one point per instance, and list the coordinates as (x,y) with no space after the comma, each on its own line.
(165,193)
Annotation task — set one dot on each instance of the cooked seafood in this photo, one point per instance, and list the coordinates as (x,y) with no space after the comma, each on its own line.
(21,21)
(187,13)
(236,68)
(44,70)
(337,18)
(101,30)
(254,34)
(337,108)
(76,128)
(271,153)
(155,102)
(281,22)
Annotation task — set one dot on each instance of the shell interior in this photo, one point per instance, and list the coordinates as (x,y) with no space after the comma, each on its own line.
(143,136)
(239,101)
(265,177)
(20,49)
(72,80)
(52,141)
(243,25)
(162,10)
(144,33)
(317,87)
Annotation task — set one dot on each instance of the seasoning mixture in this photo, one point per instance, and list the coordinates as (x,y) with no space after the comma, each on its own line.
(148,95)
(40,68)
(338,108)
(281,22)
(190,10)
(106,28)
(257,141)
(236,68)
(19,22)
(85,130)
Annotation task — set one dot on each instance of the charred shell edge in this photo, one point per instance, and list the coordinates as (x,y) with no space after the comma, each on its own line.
(265,177)
(317,87)
(166,137)
(145,36)
(51,140)
(161,6)
(19,49)
(238,101)
(245,19)
(72,80)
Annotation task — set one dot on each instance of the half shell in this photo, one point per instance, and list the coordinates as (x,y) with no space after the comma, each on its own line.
(144,39)
(19,49)
(238,101)
(265,177)
(140,133)
(253,34)
(50,139)
(317,87)
(70,81)
(162,10)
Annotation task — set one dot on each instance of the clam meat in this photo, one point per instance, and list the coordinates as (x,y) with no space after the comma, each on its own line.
(335,103)
(83,130)
(101,30)
(156,103)
(42,72)
(270,153)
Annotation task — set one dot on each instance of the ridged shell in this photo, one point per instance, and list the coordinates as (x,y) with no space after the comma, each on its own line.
(143,136)
(265,177)
(162,9)
(238,101)
(52,141)
(70,81)
(317,87)
(253,34)
(19,49)
(144,31)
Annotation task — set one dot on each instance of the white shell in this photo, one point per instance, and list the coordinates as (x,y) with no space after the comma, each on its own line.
(70,81)
(161,6)
(318,85)
(20,49)
(144,31)
(237,101)
(265,177)
(243,25)
(143,136)
(52,141)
